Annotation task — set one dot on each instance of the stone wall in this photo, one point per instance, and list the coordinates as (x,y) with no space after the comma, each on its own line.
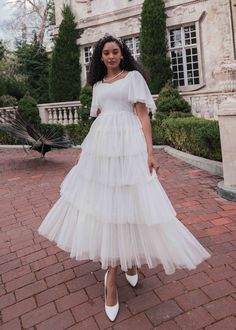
(215,22)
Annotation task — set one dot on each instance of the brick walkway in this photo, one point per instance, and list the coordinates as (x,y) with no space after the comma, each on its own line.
(42,288)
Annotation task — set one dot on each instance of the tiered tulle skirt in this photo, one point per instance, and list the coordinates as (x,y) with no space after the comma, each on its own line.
(113,210)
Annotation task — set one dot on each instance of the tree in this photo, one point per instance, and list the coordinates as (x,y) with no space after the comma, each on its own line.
(153,43)
(65,70)
(33,63)
(2,50)
(31,17)
(11,82)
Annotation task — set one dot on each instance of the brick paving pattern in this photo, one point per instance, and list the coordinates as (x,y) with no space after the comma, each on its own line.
(42,288)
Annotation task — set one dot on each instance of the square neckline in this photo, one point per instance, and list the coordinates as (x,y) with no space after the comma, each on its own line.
(105,83)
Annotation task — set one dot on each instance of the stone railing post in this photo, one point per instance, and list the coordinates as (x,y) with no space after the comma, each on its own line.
(227,123)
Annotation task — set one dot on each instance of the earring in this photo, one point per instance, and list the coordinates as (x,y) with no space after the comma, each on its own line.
(101,59)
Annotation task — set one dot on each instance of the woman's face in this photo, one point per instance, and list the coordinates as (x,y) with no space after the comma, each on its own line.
(111,55)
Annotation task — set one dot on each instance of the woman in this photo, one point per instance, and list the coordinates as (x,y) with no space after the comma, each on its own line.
(112,206)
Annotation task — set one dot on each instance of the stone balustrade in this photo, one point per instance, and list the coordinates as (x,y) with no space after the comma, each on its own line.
(60,113)
(206,105)
(6,112)
(203,105)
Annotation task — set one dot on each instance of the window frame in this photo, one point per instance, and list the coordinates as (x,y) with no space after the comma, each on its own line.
(135,54)
(183,48)
(86,63)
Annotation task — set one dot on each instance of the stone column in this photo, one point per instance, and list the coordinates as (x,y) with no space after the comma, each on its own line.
(43,113)
(227,123)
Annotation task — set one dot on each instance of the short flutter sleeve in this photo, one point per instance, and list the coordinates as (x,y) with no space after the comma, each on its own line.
(94,105)
(139,91)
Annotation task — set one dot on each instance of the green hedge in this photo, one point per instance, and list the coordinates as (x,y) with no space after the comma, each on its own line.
(158,134)
(199,137)
(52,130)
(77,132)
(6,138)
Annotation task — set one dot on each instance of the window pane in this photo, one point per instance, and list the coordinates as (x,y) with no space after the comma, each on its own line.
(188,51)
(189,67)
(175,38)
(174,61)
(129,44)
(173,54)
(174,68)
(137,45)
(87,54)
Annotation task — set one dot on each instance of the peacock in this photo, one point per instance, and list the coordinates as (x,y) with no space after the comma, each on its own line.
(36,138)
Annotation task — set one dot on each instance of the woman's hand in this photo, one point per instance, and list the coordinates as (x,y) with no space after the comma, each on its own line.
(152,164)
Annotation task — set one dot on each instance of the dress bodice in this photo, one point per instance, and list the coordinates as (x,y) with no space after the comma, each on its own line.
(121,95)
(113,97)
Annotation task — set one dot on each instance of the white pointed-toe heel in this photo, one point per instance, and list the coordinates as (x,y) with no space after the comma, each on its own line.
(111,311)
(132,279)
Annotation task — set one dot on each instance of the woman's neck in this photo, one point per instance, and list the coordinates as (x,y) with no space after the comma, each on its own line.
(113,72)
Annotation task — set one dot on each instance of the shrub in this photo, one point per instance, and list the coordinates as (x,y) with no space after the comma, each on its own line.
(6,138)
(77,132)
(169,100)
(157,133)
(27,108)
(7,101)
(179,114)
(86,96)
(86,100)
(52,130)
(199,137)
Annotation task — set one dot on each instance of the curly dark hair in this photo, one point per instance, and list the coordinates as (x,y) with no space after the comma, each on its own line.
(98,70)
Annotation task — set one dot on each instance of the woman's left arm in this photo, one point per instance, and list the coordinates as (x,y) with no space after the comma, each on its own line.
(143,116)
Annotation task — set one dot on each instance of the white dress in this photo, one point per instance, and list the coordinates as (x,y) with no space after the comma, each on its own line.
(111,208)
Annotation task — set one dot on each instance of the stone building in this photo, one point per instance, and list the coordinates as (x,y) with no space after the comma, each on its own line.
(201,35)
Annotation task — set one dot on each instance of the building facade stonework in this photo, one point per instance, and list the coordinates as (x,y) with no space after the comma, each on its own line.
(201,37)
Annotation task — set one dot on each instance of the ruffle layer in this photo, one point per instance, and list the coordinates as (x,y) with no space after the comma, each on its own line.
(112,171)
(169,244)
(118,204)
(115,134)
